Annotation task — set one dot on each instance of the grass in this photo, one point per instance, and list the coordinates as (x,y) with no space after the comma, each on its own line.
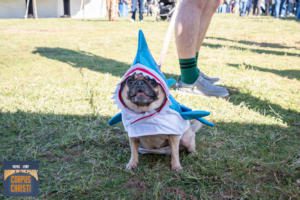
(56,81)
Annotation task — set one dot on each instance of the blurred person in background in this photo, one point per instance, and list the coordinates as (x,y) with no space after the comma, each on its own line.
(268,3)
(282,8)
(223,6)
(152,7)
(243,7)
(290,7)
(249,7)
(256,7)
(232,6)
(219,9)
(111,8)
(298,9)
(277,8)
(237,7)
(228,7)
(137,4)
(123,8)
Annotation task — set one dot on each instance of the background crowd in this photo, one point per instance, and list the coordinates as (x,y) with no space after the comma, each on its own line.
(163,9)
(276,8)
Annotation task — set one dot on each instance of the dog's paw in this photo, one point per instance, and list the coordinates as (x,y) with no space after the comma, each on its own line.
(131,165)
(192,150)
(176,168)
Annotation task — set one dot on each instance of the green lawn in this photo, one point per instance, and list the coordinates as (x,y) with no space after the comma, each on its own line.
(56,81)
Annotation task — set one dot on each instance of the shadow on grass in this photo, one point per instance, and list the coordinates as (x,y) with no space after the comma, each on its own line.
(293,18)
(72,149)
(259,51)
(83,59)
(97,63)
(81,157)
(264,107)
(291,74)
(260,44)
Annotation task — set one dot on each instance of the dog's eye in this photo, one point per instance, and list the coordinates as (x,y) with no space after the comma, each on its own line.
(153,83)
(129,81)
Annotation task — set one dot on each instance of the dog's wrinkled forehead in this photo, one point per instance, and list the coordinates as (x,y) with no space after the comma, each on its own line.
(139,75)
(138,79)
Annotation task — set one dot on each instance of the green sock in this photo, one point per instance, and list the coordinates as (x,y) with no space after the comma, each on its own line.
(189,70)
(197,55)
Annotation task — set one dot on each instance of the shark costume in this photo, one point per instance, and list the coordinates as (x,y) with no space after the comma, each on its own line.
(172,118)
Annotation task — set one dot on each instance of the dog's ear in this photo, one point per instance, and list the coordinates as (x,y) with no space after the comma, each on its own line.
(123,84)
(130,80)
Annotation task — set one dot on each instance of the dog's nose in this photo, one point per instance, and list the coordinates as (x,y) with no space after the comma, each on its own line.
(139,83)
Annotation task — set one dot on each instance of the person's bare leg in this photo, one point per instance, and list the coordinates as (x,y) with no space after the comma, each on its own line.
(210,8)
(186,33)
(206,16)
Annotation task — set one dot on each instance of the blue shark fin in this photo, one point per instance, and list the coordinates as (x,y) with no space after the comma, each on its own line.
(143,55)
(171,82)
(194,114)
(115,119)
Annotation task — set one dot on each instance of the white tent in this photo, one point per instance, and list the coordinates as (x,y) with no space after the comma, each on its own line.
(34,10)
(87,9)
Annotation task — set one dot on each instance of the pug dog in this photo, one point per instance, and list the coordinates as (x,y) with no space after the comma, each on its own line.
(142,94)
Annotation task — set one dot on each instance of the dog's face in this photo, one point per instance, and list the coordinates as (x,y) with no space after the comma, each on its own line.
(141,93)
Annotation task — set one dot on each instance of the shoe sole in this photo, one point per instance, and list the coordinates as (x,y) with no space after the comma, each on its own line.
(200,93)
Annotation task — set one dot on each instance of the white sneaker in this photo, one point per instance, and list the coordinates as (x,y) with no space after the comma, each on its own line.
(202,87)
(213,80)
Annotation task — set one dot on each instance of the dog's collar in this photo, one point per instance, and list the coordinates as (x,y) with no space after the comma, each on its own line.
(152,114)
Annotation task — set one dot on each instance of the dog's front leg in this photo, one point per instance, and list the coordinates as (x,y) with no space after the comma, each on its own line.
(174,144)
(134,158)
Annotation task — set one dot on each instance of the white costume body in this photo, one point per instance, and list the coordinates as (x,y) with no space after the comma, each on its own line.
(165,122)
